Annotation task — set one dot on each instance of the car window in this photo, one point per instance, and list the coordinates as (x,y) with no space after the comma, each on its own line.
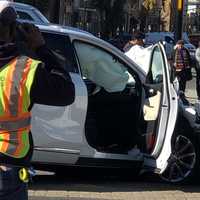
(157,66)
(62,46)
(102,68)
(24,16)
(151,106)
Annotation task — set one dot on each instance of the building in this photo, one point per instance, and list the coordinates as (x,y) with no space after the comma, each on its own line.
(132,15)
(83,14)
(79,13)
(66,12)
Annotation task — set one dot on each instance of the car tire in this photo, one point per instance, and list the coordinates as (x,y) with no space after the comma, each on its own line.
(183,164)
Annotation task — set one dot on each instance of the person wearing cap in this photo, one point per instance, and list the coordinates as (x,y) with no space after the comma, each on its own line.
(182,64)
(23,82)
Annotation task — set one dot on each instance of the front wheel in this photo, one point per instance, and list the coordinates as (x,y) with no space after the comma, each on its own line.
(183,162)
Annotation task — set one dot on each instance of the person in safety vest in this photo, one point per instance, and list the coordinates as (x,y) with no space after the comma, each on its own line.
(23,82)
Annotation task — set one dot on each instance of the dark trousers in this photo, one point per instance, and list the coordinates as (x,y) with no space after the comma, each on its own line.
(182,84)
(11,187)
(182,81)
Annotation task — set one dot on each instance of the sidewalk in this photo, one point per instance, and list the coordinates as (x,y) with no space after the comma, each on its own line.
(190,91)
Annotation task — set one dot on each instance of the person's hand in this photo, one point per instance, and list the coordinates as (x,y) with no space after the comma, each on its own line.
(32,35)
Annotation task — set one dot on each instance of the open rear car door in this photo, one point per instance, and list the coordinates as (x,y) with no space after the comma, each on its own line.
(159,111)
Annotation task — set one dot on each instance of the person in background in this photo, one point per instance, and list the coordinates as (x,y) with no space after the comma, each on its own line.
(23,82)
(137,40)
(182,62)
(197,57)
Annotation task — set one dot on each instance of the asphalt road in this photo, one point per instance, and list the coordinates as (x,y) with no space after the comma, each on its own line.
(96,185)
(90,186)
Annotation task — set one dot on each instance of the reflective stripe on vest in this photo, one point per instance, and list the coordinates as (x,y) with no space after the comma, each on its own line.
(16,79)
(15,125)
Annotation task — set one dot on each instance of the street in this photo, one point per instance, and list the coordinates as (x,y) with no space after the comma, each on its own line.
(89,186)
(49,187)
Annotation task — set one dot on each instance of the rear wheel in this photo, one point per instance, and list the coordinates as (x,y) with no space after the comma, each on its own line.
(183,162)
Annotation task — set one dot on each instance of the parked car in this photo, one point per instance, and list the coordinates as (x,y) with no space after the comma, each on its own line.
(122,116)
(27,13)
(168,38)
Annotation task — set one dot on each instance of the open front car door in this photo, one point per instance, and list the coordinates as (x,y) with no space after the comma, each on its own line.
(159,111)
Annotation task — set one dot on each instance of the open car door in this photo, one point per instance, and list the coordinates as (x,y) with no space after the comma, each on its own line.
(159,111)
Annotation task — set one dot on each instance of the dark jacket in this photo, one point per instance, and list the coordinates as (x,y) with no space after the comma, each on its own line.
(182,59)
(52,85)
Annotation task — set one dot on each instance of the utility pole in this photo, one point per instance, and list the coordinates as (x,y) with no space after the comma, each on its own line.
(179,20)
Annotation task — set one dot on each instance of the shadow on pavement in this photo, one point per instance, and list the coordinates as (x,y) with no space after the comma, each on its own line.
(98,181)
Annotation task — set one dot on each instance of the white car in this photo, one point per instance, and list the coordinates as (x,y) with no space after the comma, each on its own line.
(122,116)
(27,13)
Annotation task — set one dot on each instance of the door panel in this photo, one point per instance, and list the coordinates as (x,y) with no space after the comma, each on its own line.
(163,126)
(60,129)
(154,92)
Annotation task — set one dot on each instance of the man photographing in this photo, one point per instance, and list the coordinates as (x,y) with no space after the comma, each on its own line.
(23,82)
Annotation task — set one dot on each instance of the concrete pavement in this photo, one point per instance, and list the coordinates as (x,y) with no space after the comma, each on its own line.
(191,90)
(52,188)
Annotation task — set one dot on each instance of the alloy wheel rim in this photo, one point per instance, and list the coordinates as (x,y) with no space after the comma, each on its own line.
(181,162)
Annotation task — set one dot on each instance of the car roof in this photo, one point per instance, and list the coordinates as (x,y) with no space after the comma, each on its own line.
(57,29)
(159,34)
(64,29)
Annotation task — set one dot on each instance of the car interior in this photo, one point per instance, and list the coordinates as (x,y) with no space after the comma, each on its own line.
(114,117)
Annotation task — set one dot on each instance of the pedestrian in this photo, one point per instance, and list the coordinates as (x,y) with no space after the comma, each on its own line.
(23,82)
(137,41)
(182,64)
(137,52)
(197,57)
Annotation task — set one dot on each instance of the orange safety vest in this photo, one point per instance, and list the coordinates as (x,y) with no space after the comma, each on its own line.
(16,79)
